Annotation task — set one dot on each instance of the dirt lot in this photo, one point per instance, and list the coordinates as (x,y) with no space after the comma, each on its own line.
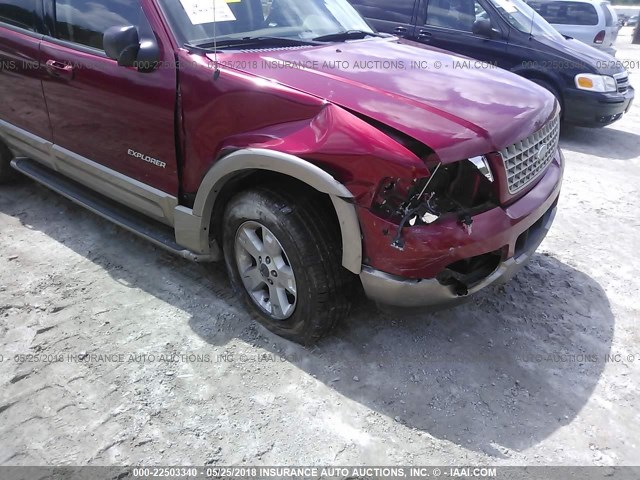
(518,376)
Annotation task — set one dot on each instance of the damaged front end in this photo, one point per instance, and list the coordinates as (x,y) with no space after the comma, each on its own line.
(461,190)
(449,233)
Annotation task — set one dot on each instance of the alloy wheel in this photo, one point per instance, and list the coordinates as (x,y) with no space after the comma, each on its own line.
(265,270)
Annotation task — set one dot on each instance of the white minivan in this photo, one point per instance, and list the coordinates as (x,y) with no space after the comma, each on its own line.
(592,22)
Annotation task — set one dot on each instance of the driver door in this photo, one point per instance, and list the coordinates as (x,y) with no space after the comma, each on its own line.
(117,117)
(395,17)
(448,24)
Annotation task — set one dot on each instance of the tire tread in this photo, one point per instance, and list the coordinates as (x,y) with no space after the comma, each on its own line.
(317,237)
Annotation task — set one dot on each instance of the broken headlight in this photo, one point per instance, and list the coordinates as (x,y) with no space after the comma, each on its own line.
(460,189)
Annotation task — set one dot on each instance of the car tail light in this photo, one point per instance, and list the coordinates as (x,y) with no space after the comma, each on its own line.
(599,39)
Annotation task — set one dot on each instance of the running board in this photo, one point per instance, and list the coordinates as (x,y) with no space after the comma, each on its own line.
(157,233)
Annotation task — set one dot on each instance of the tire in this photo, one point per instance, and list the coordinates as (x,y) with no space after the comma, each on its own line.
(267,231)
(7,173)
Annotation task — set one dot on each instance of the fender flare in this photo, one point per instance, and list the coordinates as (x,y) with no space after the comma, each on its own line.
(260,159)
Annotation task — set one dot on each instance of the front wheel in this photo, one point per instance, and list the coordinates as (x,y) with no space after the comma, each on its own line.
(283,251)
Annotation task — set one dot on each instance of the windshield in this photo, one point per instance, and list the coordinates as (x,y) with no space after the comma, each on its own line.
(197,21)
(524,18)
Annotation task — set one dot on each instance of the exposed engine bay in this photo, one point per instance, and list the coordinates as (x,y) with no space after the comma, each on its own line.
(458,189)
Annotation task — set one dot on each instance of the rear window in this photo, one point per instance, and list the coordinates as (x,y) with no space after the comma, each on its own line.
(567,13)
(399,11)
(19,13)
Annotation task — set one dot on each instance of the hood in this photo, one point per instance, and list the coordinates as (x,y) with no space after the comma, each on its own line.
(452,104)
(574,50)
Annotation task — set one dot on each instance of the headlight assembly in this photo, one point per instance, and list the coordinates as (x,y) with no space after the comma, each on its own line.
(483,166)
(596,83)
(460,189)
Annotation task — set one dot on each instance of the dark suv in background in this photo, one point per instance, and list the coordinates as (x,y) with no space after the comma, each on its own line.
(591,86)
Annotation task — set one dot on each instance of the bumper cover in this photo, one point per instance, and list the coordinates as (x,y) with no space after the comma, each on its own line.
(591,109)
(427,273)
(430,250)
(397,291)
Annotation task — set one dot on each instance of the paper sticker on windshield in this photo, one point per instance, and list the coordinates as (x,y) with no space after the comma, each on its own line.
(203,11)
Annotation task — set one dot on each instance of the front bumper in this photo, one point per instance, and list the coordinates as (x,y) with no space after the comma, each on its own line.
(592,109)
(421,274)
(397,291)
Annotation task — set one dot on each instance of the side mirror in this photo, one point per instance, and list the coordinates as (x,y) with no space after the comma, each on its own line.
(122,44)
(131,48)
(483,27)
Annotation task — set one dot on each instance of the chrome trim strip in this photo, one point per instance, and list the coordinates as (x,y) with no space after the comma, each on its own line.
(23,31)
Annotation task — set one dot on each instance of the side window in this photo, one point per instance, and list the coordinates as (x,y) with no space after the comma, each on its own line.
(85,21)
(399,11)
(567,13)
(19,13)
(455,14)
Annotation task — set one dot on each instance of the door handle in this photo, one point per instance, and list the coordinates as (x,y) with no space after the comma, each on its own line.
(401,30)
(425,35)
(59,70)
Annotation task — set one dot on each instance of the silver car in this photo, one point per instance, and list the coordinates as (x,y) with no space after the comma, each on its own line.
(592,22)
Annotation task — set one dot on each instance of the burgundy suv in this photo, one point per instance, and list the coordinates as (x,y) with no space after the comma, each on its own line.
(286,138)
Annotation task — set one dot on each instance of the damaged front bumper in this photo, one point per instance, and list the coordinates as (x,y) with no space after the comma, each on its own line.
(397,291)
(504,241)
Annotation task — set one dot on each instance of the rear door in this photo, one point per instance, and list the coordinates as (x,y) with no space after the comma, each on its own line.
(449,24)
(390,16)
(115,116)
(22,104)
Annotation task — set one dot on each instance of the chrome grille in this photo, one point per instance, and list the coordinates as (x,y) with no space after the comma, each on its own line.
(526,159)
(623,81)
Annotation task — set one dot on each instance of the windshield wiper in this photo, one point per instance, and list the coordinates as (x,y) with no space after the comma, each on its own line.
(346,35)
(259,41)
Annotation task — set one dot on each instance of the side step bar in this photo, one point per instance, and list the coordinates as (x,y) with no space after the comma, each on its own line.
(155,232)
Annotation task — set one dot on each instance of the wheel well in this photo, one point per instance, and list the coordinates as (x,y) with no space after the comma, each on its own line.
(533,76)
(246,180)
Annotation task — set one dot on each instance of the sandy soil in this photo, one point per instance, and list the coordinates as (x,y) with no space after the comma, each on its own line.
(518,376)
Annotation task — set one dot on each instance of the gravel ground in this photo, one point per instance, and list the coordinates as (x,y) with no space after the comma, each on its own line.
(517,376)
